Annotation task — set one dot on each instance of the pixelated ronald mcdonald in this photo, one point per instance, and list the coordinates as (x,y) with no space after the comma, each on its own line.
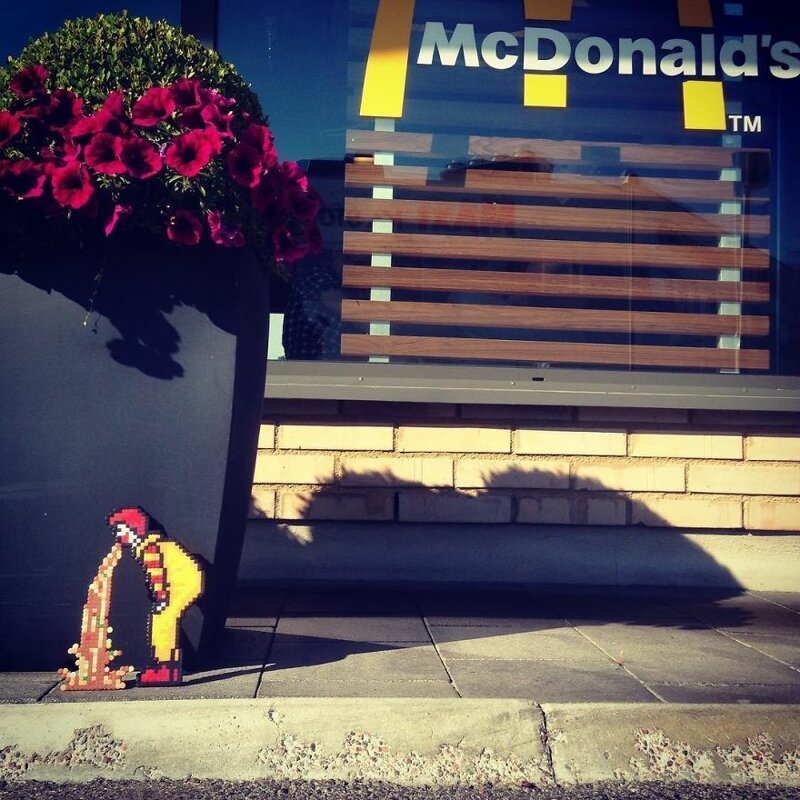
(175,581)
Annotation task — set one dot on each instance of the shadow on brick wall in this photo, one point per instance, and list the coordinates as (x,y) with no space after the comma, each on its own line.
(485,556)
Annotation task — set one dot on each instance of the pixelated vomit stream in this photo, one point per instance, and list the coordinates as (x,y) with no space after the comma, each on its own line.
(94,653)
(174,580)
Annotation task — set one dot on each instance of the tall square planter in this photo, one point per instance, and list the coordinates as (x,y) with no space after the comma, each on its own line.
(153,401)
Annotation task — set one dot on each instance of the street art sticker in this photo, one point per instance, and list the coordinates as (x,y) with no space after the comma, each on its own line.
(174,581)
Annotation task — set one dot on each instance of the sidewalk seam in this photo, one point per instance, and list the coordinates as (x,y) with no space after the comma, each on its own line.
(621,665)
(278,617)
(436,646)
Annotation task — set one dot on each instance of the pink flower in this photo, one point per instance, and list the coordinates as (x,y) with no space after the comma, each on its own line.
(292,174)
(23,179)
(190,152)
(58,110)
(214,118)
(72,185)
(114,105)
(29,82)
(184,227)
(185,92)
(244,165)
(266,195)
(260,137)
(9,127)
(156,104)
(224,233)
(104,154)
(119,213)
(140,157)
(291,243)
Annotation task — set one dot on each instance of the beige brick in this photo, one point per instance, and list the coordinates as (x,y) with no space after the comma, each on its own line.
(336,437)
(686,512)
(744,479)
(396,471)
(771,515)
(532,441)
(262,505)
(573,509)
(659,415)
(434,439)
(286,468)
(685,445)
(773,448)
(429,507)
(473,473)
(266,437)
(631,478)
(360,506)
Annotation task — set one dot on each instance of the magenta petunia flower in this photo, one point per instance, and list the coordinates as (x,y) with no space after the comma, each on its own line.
(244,165)
(140,157)
(291,243)
(184,227)
(119,213)
(103,154)
(114,104)
(9,127)
(29,82)
(185,92)
(224,233)
(190,152)
(155,105)
(214,118)
(23,179)
(266,196)
(72,185)
(260,137)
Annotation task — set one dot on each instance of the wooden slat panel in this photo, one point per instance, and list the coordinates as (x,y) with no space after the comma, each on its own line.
(553,318)
(539,184)
(526,217)
(670,156)
(555,250)
(460,280)
(553,352)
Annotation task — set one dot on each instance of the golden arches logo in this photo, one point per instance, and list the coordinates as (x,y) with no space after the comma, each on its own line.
(384,87)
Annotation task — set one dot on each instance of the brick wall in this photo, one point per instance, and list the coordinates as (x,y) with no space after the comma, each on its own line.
(440,463)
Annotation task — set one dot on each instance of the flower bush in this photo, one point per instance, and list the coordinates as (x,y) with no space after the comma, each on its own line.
(143,149)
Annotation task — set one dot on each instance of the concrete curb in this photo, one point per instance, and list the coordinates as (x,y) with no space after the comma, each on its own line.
(410,742)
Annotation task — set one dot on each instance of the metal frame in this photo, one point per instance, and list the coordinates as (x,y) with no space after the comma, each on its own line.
(440,383)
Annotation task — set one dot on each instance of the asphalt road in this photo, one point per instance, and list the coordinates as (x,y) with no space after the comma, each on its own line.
(340,790)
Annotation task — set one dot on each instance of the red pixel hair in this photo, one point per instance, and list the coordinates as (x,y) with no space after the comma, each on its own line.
(133,517)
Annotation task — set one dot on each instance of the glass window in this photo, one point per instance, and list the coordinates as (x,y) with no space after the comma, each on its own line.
(593,185)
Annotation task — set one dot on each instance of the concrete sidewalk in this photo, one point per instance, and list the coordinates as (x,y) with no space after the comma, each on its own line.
(567,684)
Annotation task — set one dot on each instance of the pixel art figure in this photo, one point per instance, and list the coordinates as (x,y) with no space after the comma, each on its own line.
(174,580)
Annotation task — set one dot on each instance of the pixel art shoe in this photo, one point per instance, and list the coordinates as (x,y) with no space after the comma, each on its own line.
(167,673)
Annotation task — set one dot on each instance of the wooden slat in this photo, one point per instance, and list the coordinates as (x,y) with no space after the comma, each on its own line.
(529,283)
(527,318)
(540,184)
(527,217)
(634,154)
(553,352)
(555,251)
